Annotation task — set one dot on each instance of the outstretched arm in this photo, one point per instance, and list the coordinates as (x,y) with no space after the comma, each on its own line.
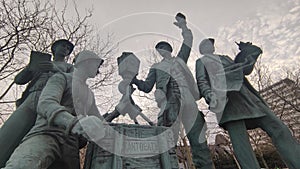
(147,85)
(49,105)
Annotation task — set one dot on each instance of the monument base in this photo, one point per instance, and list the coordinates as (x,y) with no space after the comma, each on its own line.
(139,147)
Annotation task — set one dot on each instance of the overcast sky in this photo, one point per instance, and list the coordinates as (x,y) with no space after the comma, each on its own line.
(138,25)
(152,20)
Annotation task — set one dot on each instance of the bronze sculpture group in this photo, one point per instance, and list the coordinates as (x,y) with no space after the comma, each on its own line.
(57,111)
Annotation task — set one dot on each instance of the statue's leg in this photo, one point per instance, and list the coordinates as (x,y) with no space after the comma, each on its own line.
(36,152)
(286,144)
(16,127)
(172,109)
(170,117)
(241,144)
(196,135)
(70,156)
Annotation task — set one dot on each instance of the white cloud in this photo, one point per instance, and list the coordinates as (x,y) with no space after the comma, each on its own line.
(275,29)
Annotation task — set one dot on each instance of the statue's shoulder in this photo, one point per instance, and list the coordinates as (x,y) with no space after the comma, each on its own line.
(207,58)
(62,77)
(226,57)
(64,67)
(156,65)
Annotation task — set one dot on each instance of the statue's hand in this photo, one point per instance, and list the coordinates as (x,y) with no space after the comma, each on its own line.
(134,80)
(160,97)
(212,100)
(45,66)
(181,22)
(111,116)
(213,103)
(90,127)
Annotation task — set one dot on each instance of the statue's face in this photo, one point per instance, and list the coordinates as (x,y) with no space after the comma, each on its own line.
(207,48)
(62,49)
(92,67)
(163,51)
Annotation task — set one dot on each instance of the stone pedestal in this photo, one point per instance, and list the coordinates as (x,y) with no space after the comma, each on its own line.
(138,148)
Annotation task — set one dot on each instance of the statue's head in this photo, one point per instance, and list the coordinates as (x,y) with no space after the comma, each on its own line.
(207,46)
(67,45)
(164,48)
(89,62)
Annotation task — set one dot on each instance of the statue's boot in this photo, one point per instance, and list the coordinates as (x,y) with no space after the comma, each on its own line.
(201,156)
(200,151)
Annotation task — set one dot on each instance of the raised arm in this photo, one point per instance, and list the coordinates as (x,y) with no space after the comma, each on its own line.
(247,56)
(185,49)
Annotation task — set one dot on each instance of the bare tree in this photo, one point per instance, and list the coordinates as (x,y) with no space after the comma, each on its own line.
(34,25)
(27,25)
(283,97)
